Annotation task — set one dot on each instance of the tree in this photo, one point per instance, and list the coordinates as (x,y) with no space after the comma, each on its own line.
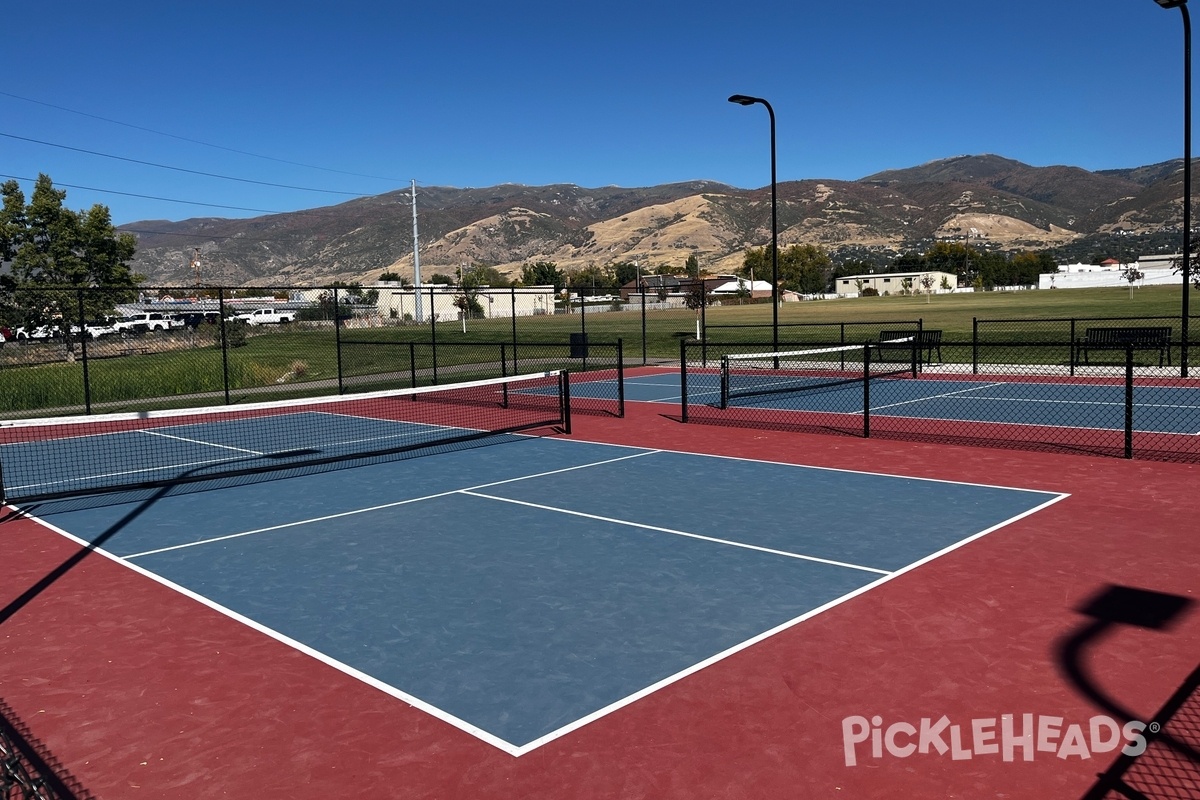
(49,248)
(543,273)
(805,268)
(692,266)
(927,285)
(395,277)
(697,298)
(1132,274)
(488,276)
(624,272)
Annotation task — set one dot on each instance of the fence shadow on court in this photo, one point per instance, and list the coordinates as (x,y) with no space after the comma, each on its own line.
(1169,767)
(28,770)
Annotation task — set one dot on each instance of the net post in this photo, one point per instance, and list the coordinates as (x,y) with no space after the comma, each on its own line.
(564,400)
(412,364)
(620,378)
(867,391)
(725,382)
(916,354)
(683,381)
(1129,401)
(503,360)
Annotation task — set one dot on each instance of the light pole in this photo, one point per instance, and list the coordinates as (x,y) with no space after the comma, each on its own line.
(745,100)
(1187,175)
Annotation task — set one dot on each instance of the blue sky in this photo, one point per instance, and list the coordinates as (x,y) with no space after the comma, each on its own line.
(358,98)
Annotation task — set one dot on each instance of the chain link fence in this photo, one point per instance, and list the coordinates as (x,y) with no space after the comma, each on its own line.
(1037,394)
(69,351)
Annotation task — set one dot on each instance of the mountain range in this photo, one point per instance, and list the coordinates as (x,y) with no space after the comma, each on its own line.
(987,201)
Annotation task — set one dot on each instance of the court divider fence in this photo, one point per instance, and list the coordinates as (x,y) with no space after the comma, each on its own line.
(1029,395)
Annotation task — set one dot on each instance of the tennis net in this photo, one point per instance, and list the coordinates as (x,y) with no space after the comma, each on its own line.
(749,375)
(68,456)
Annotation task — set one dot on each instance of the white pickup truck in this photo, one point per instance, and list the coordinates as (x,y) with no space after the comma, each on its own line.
(266,316)
(147,321)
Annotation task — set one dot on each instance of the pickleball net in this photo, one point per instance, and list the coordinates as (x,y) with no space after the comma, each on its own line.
(758,375)
(43,459)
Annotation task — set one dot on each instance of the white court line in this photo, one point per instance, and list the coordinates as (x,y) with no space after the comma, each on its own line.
(395,504)
(515,750)
(189,440)
(939,396)
(674,532)
(630,699)
(253,624)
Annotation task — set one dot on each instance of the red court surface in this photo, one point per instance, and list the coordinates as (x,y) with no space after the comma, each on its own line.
(137,691)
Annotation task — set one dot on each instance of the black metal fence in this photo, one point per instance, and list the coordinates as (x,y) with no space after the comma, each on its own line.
(69,359)
(1030,395)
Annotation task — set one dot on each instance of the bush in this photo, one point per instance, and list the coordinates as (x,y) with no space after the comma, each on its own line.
(870,291)
(235,332)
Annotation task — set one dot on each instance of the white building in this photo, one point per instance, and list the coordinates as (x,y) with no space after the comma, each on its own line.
(1156,271)
(893,283)
(438,300)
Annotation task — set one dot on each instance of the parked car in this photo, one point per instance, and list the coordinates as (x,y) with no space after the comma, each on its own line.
(194,319)
(39,332)
(148,321)
(267,316)
(97,328)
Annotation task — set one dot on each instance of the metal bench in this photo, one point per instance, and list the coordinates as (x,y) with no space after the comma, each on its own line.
(927,341)
(1139,338)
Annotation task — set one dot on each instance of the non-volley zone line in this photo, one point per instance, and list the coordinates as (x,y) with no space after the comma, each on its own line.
(382,506)
(478,492)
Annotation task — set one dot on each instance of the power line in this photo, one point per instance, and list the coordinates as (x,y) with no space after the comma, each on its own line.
(196,141)
(151,197)
(181,169)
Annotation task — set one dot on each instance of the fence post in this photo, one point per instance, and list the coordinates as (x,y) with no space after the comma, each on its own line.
(337,340)
(224,344)
(83,353)
(512,291)
(866,391)
(683,379)
(1129,401)
(1074,355)
(975,345)
(620,378)
(645,361)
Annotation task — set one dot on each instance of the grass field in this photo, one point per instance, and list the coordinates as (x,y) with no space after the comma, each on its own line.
(291,360)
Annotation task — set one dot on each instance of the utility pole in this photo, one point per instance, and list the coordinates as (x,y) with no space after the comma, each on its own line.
(196,266)
(416,258)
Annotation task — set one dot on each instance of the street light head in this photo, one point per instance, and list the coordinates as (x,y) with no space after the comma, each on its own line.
(744,100)
(1171,3)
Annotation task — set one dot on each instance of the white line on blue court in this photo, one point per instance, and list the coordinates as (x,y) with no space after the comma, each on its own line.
(938,396)
(674,532)
(203,442)
(395,504)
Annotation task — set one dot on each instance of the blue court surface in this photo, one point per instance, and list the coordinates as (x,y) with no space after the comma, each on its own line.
(520,591)
(1162,409)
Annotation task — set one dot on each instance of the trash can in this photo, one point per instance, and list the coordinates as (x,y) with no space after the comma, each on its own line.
(579,345)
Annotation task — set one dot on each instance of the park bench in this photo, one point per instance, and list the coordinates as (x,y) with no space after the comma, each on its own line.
(1139,338)
(901,342)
